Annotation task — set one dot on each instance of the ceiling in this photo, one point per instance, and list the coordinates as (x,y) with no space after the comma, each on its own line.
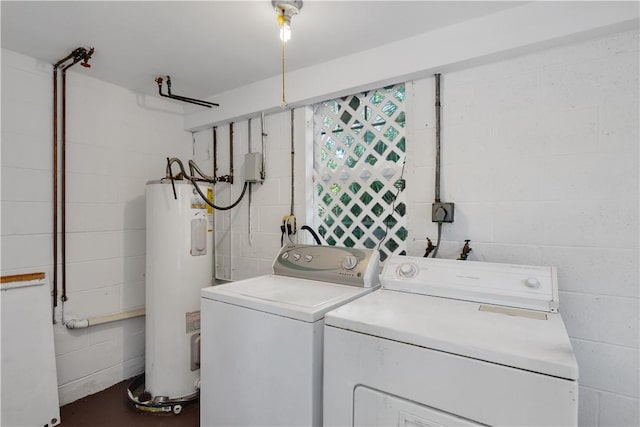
(209,47)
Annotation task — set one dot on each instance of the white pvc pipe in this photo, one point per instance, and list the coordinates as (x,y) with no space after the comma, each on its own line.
(85,323)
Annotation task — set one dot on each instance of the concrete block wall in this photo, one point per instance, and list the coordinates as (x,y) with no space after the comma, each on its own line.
(247,242)
(540,157)
(117,140)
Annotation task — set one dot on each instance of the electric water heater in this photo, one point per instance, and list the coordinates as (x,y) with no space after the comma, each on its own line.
(179,263)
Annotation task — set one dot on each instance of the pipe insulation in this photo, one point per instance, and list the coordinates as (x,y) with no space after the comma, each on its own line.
(85,323)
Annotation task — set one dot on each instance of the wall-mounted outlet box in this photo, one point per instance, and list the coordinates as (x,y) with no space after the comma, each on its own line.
(442,212)
(253,167)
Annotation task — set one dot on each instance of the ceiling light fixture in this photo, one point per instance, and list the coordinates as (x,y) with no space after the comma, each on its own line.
(285,9)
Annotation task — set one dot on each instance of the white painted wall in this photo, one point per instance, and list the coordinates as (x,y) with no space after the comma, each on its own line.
(242,254)
(536,150)
(518,30)
(540,156)
(116,141)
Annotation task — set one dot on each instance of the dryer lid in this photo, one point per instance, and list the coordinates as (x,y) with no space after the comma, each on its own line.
(529,340)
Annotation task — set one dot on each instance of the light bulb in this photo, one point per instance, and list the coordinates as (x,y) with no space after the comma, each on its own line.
(286,9)
(285,31)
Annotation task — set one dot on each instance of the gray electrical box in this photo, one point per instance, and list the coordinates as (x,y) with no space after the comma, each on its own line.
(253,167)
(442,212)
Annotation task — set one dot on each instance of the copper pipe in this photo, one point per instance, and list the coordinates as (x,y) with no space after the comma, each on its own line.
(63,211)
(55,179)
(187,99)
(231,152)
(215,152)
(80,54)
(55,191)
(223,178)
(293,158)
(262,171)
(438,131)
(160,80)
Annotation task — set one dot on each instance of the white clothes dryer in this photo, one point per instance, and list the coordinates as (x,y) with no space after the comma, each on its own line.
(448,343)
(262,338)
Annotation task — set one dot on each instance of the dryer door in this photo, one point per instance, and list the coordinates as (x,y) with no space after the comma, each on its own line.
(375,408)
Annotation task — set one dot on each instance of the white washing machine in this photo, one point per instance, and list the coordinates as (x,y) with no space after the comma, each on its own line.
(448,343)
(262,338)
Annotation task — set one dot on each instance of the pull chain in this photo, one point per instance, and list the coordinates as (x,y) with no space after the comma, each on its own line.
(284,98)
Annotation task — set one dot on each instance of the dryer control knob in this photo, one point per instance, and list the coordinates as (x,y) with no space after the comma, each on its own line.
(349,262)
(407,270)
(296,257)
(532,283)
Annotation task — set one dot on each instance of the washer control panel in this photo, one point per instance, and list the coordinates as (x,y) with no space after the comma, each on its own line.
(334,264)
(521,286)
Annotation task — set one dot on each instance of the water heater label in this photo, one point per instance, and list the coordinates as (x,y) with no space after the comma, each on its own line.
(193,321)
(210,197)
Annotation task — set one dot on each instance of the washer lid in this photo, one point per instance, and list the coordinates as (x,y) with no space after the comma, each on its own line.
(301,299)
(525,339)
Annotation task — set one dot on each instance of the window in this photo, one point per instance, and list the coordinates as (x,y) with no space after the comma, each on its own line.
(359,153)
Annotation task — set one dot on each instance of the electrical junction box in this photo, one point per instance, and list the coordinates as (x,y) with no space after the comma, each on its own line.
(253,167)
(442,212)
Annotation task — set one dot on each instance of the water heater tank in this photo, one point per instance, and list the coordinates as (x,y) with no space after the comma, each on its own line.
(179,263)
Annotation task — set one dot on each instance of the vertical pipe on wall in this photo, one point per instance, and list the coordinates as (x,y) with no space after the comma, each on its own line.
(55,192)
(231,152)
(214,138)
(55,182)
(263,134)
(292,163)
(78,54)
(437,192)
(249,204)
(215,152)
(63,172)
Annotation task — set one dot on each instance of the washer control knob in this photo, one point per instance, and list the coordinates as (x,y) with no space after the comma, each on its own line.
(285,255)
(532,283)
(349,262)
(296,257)
(407,270)
(308,258)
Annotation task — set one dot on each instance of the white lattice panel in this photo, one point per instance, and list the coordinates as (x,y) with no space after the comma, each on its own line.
(359,150)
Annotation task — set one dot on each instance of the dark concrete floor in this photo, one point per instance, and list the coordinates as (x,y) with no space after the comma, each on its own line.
(110,408)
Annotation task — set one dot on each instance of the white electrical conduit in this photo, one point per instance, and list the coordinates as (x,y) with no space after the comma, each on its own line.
(85,323)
